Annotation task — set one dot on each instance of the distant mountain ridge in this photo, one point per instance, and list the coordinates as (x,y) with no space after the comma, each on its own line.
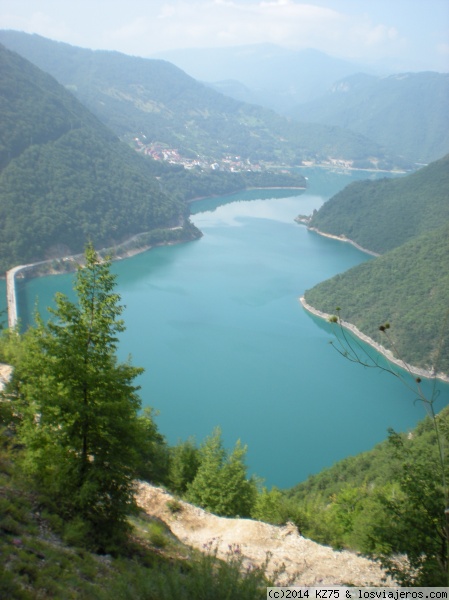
(275,77)
(156,101)
(406,114)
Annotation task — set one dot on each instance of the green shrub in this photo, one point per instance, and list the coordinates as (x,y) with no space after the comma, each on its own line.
(174,506)
(157,535)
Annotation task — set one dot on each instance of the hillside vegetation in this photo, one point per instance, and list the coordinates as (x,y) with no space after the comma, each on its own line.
(408,288)
(406,114)
(152,564)
(157,102)
(387,501)
(65,178)
(382,215)
(407,219)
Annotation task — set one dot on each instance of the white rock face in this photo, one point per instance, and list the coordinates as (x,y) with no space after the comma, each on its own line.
(302,561)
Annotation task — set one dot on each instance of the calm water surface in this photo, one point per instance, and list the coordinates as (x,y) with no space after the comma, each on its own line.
(218,327)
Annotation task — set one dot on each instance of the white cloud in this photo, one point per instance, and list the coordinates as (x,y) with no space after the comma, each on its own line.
(36,22)
(228,22)
(341,27)
(443,49)
(205,23)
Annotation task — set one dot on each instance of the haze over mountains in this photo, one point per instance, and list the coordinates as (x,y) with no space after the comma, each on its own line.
(158,103)
(397,120)
(265,74)
(407,112)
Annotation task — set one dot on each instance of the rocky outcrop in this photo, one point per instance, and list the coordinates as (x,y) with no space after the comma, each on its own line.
(297,560)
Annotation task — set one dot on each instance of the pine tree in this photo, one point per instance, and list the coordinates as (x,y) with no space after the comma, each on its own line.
(79,406)
(184,463)
(237,491)
(221,484)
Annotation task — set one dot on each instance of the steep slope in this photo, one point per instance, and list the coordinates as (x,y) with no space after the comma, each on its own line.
(65,178)
(381,215)
(304,561)
(157,102)
(406,220)
(407,287)
(406,114)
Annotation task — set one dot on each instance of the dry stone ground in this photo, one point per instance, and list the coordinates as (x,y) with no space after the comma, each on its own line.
(5,374)
(305,561)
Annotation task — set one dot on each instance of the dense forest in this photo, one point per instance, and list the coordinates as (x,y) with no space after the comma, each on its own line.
(407,287)
(68,182)
(407,112)
(406,219)
(154,100)
(382,215)
(190,184)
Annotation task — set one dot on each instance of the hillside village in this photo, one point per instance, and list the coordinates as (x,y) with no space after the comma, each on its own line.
(236,164)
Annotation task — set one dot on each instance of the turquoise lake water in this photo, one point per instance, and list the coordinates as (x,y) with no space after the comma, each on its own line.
(224,341)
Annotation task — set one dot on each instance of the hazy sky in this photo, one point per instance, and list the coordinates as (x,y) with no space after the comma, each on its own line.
(413,34)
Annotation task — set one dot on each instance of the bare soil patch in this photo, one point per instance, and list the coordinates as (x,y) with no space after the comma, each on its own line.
(5,374)
(304,562)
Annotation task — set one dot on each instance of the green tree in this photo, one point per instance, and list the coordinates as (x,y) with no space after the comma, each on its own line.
(415,524)
(153,450)
(419,515)
(221,484)
(79,406)
(267,506)
(184,463)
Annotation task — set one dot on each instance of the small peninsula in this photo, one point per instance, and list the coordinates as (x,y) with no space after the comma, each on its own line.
(385,218)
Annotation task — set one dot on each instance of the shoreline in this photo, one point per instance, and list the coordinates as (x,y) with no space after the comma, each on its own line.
(127,249)
(69,264)
(341,168)
(245,189)
(418,371)
(340,238)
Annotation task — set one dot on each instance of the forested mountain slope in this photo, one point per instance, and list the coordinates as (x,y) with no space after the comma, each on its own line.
(406,220)
(406,114)
(65,178)
(407,287)
(383,214)
(157,102)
